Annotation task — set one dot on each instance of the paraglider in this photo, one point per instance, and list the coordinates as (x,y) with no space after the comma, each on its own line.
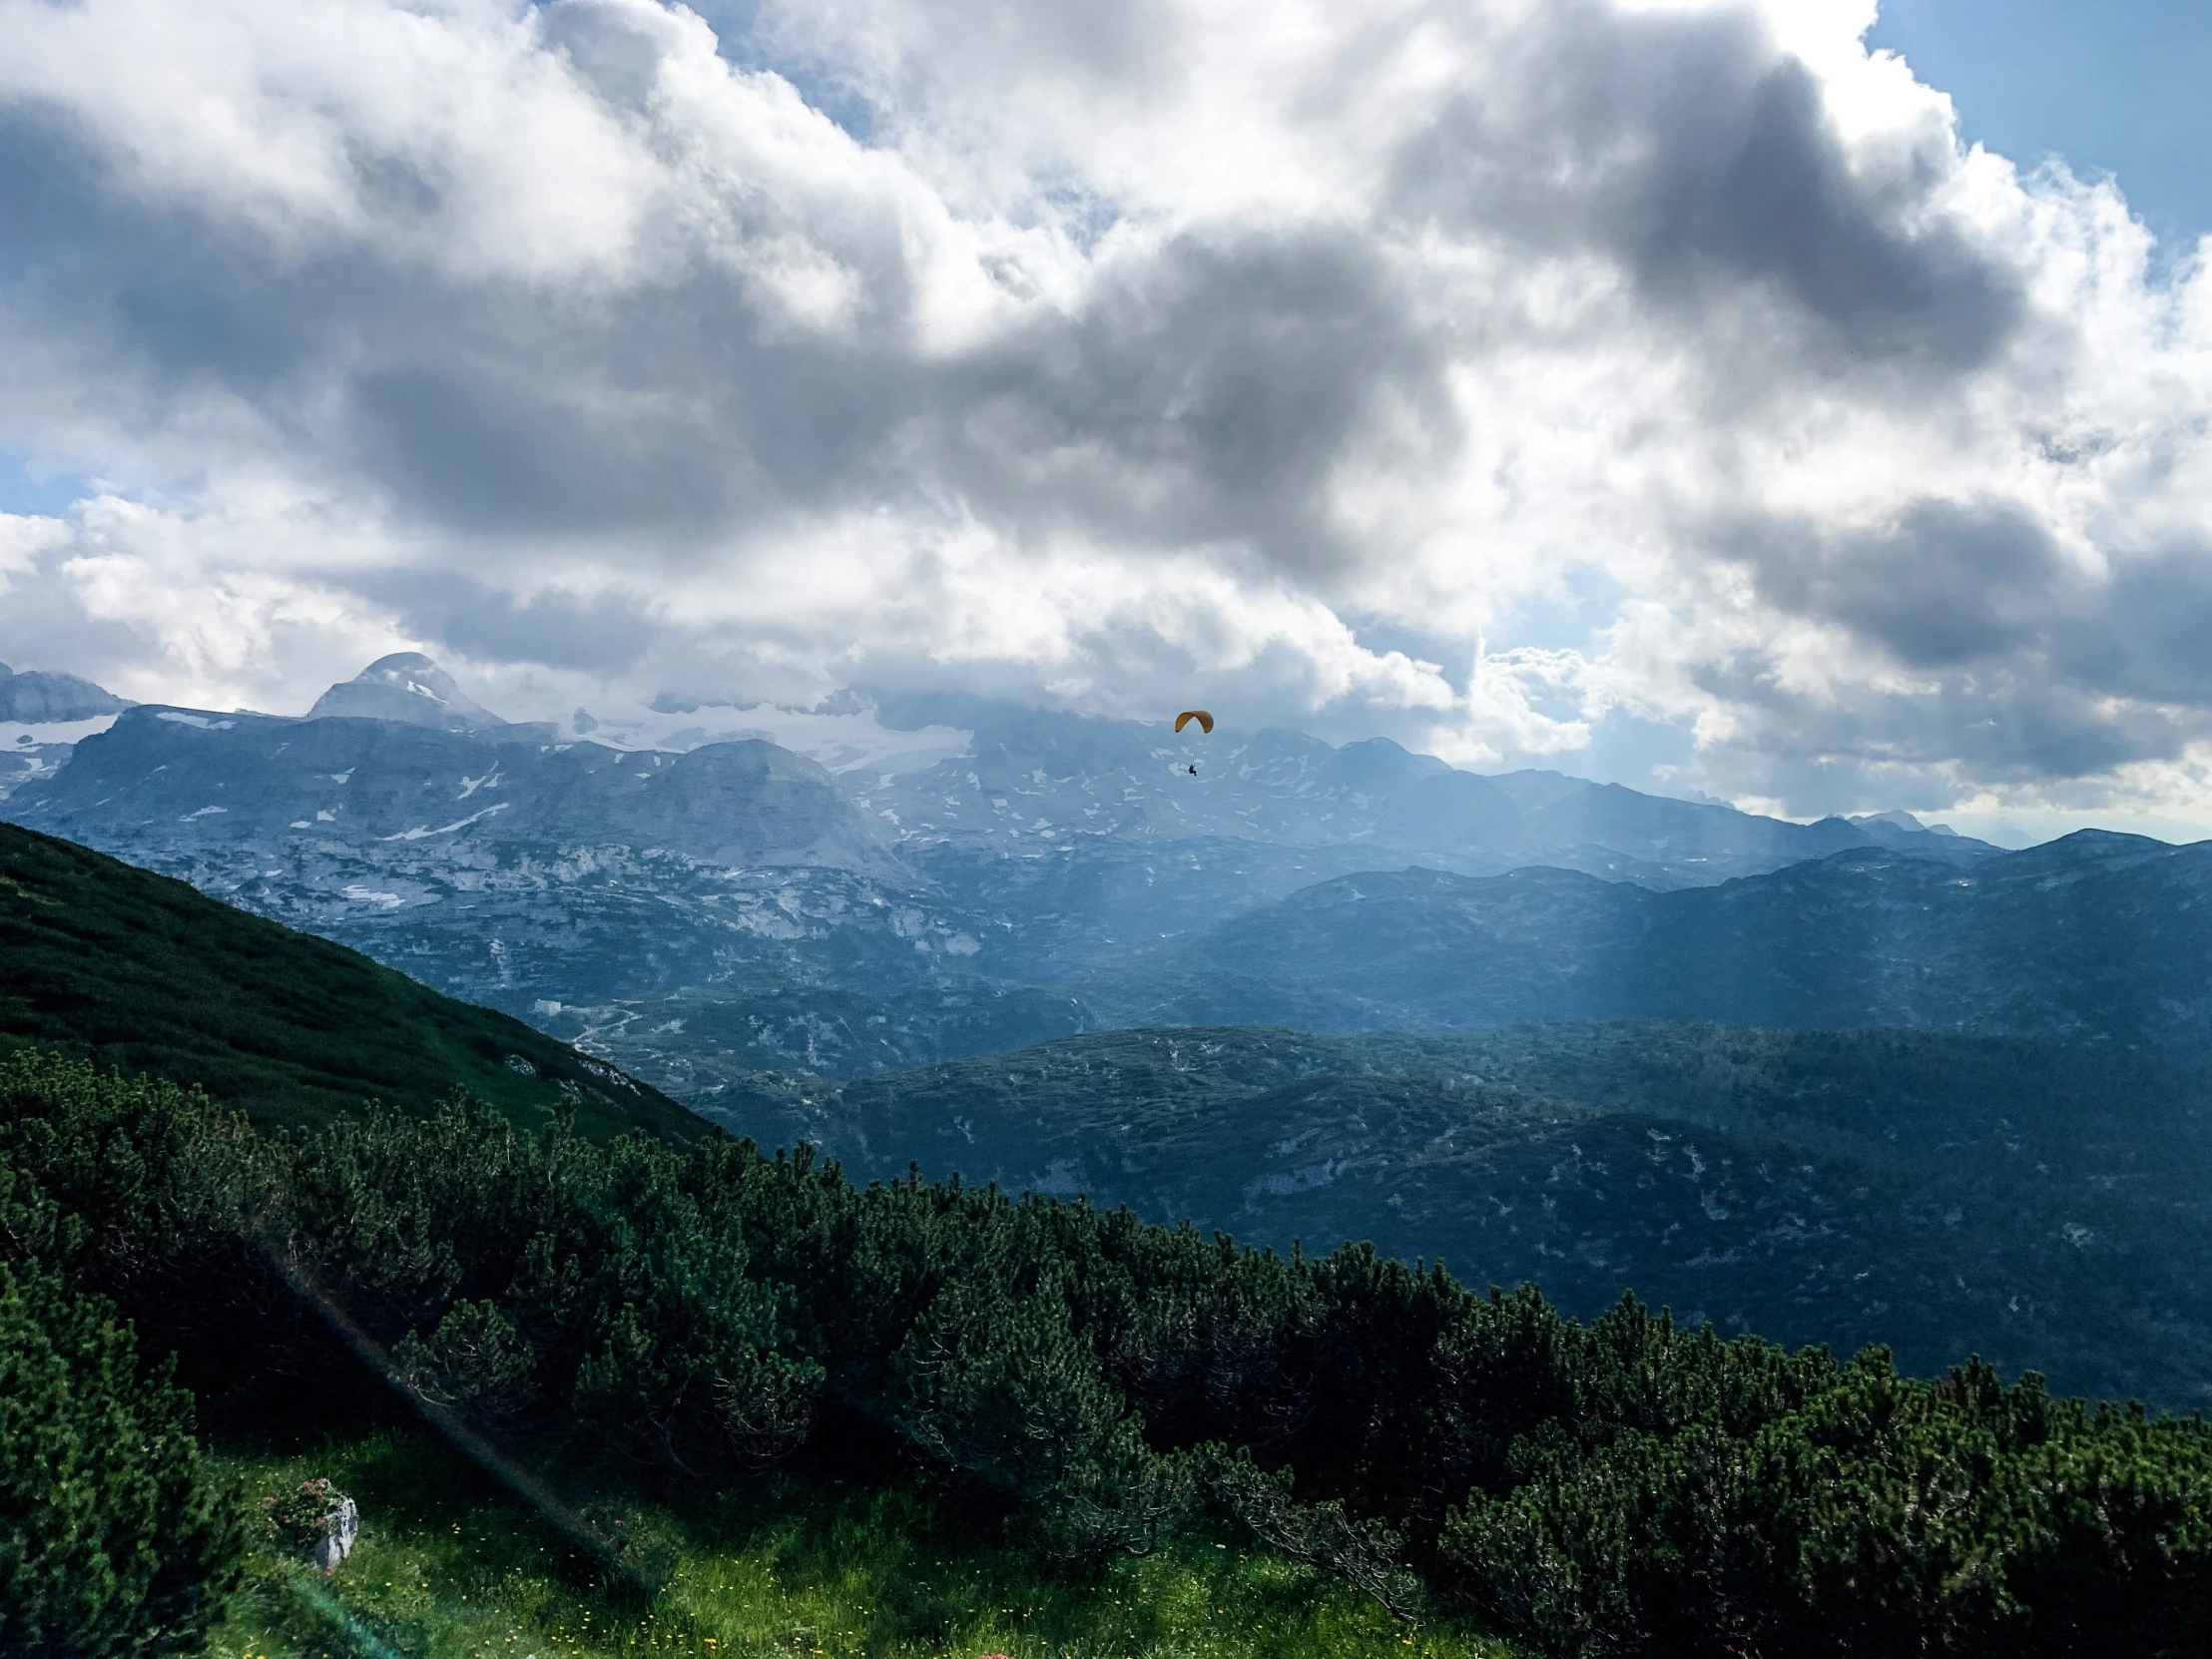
(1205,725)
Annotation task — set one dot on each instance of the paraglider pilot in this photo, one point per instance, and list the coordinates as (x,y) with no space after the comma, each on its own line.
(1205,724)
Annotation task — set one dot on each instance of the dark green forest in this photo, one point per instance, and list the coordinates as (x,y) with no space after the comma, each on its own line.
(1619,1487)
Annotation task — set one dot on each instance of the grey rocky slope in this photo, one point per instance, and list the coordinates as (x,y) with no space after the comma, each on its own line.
(40,697)
(42,715)
(192,782)
(1033,779)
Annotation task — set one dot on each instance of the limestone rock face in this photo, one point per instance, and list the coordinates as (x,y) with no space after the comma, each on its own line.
(41,699)
(163,779)
(406,685)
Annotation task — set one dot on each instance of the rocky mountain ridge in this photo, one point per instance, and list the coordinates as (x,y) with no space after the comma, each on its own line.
(2095,937)
(41,717)
(184,778)
(1036,777)
(1030,781)
(40,696)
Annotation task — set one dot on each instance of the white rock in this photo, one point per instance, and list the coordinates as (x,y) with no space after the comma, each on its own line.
(339,1529)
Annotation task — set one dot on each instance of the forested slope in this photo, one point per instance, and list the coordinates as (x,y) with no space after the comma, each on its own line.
(2041,1205)
(129,968)
(2094,937)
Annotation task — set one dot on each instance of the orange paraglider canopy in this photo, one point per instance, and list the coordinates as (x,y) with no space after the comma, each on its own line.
(1205,720)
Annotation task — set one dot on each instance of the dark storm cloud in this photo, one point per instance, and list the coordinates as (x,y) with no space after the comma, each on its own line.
(1943,585)
(2152,638)
(2010,722)
(488,404)
(497,413)
(1708,162)
(2005,723)
(1983,587)
(559,630)
(90,267)
(1200,396)
(470,445)
(1205,397)
(2024,665)
(1206,394)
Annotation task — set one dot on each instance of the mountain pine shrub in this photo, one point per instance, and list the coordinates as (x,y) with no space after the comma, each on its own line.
(114,1540)
(1621,1486)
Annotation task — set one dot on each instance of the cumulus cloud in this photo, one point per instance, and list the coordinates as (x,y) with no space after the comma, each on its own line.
(614,348)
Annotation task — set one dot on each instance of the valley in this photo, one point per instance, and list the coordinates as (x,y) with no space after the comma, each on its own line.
(2036,1203)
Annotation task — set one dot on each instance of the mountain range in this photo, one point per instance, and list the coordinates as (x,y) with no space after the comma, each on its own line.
(2096,936)
(40,697)
(1048,777)
(42,715)
(705,909)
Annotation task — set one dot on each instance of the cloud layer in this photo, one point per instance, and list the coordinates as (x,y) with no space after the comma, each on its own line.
(1654,384)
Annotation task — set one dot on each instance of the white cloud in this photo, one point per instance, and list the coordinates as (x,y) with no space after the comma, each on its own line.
(1297,356)
(23,538)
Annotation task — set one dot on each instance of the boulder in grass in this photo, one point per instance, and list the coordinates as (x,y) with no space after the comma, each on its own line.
(340,1528)
(317,1521)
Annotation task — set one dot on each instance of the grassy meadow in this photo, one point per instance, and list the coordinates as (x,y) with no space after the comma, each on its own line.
(450,1564)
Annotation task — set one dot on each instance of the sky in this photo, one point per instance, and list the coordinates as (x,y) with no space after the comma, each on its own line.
(1754,398)
(2114,88)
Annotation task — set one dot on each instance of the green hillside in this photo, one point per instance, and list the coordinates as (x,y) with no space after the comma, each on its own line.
(112,964)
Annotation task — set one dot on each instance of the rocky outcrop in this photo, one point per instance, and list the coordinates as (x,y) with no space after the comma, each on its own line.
(406,685)
(41,699)
(163,779)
